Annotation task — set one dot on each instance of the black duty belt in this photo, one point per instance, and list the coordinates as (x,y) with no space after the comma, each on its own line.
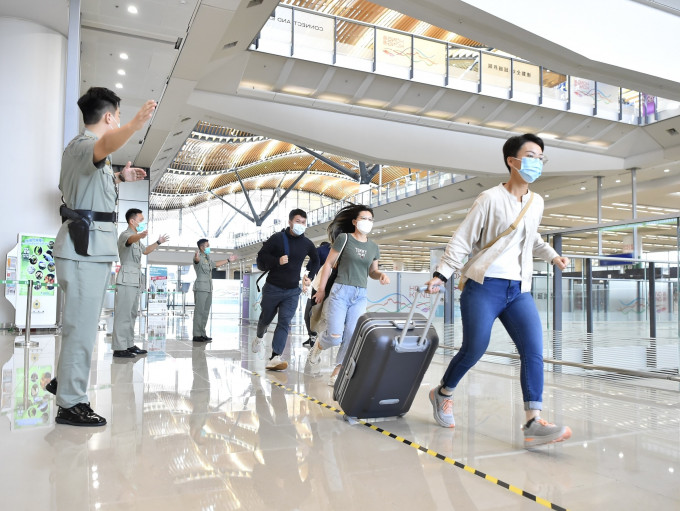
(97,216)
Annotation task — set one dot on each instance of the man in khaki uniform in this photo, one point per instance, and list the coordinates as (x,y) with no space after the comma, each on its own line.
(84,252)
(129,283)
(203,289)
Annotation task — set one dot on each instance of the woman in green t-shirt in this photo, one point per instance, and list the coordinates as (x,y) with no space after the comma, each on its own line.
(357,259)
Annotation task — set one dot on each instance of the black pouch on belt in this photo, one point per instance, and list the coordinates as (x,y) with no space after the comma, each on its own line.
(78,229)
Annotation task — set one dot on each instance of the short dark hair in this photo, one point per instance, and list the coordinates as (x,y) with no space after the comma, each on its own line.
(201,241)
(297,212)
(96,102)
(514,144)
(131,213)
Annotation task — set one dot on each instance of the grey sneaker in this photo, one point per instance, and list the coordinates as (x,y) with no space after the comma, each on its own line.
(540,432)
(276,364)
(442,408)
(314,355)
(258,342)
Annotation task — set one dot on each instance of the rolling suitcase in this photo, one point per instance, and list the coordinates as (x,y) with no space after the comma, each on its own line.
(385,363)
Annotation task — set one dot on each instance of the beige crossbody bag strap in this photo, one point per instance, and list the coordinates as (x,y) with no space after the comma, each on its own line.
(513,226)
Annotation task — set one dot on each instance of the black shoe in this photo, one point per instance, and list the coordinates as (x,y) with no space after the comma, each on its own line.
(206,338)
(51,387)
(137,351)
(200,338)
(123,354)
(79,415)
(309,342)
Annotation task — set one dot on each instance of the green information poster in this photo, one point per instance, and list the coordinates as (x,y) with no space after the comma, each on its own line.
(36,263)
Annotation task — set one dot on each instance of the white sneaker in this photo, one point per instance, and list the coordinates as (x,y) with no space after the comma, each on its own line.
(258,342)
(314,355)
(276,364)
(334,376)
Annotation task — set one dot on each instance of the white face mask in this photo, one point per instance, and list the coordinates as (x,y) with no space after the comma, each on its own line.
(116,123)
(364,226)
(299,229)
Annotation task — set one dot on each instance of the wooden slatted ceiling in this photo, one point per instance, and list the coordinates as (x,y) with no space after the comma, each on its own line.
(176,191)
(374,14)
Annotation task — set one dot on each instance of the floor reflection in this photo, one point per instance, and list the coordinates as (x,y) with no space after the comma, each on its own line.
(206,427)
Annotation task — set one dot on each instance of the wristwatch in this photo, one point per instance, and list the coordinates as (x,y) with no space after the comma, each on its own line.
(440,277)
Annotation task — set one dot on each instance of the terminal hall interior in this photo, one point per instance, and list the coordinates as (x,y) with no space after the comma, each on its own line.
(403,106)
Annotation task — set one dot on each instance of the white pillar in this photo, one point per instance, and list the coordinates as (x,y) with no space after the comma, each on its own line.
(32,87)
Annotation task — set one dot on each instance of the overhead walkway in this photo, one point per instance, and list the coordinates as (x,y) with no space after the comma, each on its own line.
(309,35)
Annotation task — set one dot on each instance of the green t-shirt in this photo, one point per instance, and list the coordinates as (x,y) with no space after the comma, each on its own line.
(355,260)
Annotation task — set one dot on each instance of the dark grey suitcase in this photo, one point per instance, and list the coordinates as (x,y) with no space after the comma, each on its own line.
(385,363)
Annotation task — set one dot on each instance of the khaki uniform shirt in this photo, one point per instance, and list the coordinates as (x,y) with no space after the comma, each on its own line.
(86,185)
(204,268)
(130,273)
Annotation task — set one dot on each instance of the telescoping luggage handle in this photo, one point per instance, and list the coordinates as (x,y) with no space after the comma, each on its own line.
(421,289)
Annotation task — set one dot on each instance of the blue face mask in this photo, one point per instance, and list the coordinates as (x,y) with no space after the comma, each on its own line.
(141,227)
(299,229)
(207,250)
(531,169)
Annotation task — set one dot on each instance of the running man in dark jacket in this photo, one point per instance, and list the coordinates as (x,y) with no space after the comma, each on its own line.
(282,256)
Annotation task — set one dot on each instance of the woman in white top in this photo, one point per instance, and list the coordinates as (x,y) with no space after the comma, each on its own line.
(497,280)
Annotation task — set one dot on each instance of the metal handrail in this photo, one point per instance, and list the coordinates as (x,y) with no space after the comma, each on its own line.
(640,117)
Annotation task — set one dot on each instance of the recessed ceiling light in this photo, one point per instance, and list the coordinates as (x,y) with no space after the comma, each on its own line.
(583,188)
(618,180)
(124,56)
(666,170)
(547,195)
(119,85)
(132,9)
(121,72)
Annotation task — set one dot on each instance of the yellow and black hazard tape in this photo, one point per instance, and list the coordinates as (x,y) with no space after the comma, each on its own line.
(434,454)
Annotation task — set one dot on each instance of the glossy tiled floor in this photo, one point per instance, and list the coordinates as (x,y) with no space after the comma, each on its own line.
(207,428)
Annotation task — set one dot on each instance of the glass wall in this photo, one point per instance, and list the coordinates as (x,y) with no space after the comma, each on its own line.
(307,34)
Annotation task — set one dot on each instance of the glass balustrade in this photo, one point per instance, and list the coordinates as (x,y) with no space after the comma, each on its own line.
(333,40)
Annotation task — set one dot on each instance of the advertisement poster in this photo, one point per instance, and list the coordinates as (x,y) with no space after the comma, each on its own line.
(648,104)
(158,289)
(32,259)
(37,264)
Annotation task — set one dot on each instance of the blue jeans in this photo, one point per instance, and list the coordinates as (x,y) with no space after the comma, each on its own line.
(284,301)
(480,305)
(345,305)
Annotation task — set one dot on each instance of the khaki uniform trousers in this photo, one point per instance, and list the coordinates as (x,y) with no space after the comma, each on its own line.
(84,286)
(124,316)
(202,301)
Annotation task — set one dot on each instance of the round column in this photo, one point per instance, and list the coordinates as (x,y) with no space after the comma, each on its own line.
(32,88)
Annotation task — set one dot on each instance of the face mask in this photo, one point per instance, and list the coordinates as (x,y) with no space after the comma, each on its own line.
(141,227)
(531,169)
(364,226)
(299,229)
(207,250)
